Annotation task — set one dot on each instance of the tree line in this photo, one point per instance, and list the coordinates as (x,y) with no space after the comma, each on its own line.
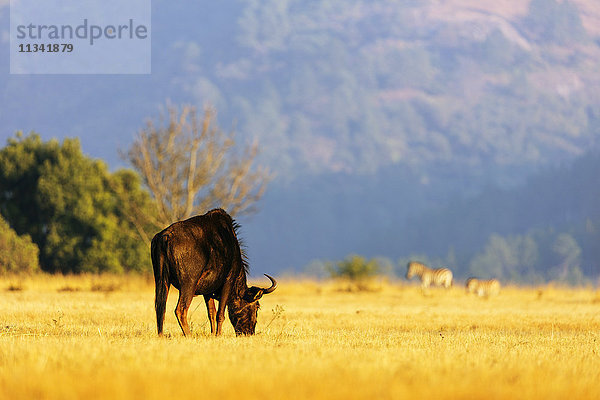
(64,212)
(532,258)
(546,229)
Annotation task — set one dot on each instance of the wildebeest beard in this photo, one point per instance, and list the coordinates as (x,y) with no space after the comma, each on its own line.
(243,316)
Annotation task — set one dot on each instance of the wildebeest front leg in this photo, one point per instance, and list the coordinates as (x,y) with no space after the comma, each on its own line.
(222,305)
(212,313)
(185,299)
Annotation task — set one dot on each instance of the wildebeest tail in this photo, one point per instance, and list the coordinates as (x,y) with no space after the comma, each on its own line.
(161,278)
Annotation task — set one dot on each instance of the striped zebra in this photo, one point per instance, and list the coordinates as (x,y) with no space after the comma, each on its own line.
(437,277)
(482,288)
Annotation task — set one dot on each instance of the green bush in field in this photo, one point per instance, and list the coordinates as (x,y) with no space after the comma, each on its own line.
(354,268)
(18,254)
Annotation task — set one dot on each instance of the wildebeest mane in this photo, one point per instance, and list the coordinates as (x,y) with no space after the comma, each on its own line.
(236,230)
(235,226)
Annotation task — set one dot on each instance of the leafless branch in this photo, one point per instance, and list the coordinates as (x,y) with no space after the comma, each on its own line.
(189,166)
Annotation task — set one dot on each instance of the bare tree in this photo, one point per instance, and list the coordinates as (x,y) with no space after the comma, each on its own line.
(190,165)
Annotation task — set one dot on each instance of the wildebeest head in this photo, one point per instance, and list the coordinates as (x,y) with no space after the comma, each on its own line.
(243,311)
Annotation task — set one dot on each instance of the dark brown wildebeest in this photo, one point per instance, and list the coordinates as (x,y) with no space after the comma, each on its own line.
(202,256)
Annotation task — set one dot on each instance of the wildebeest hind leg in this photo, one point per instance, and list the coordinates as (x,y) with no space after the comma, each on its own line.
(185,299)
(212,313)
(160,302)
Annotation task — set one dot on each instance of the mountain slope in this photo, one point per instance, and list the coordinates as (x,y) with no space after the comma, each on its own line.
(350,86)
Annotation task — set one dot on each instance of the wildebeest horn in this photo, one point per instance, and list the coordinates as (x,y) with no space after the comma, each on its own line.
(273,285)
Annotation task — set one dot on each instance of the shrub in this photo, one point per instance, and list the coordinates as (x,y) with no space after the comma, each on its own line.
(18,254)
(354,268)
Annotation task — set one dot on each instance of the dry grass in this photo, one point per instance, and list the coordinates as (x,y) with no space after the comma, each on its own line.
(90,337)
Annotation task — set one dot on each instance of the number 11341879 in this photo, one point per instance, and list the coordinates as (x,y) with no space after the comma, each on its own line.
(46,48)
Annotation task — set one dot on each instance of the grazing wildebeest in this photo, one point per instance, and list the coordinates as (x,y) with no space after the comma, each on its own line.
(202,256)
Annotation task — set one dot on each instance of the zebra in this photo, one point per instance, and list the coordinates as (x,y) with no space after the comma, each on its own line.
(437,277)
(491,287)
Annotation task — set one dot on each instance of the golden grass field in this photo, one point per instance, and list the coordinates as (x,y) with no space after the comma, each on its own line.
(92,337)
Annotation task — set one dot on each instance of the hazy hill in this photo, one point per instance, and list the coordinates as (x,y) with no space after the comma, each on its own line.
(355,86)
(351,85)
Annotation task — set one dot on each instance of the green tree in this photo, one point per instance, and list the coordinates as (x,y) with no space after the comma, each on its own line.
(18,254)
(71,206)
(498,260)
(529,257)
(568,252)
(354,268)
